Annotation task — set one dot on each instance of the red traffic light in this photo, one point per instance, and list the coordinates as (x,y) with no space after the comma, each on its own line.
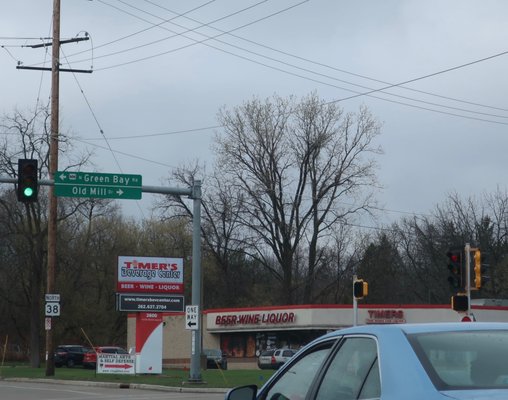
(456,268)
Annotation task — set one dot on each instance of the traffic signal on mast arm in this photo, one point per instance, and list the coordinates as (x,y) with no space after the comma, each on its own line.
(27,180)
(456,268)
(360,289)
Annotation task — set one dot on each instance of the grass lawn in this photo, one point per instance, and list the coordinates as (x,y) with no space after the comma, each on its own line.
(169,377)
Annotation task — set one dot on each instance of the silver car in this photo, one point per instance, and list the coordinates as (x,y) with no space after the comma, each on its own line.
(275,358)
(396,362)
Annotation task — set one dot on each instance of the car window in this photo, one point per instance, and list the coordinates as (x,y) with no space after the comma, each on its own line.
(464,360)
(353,372)
(296,380)
(288,353)
(108,351)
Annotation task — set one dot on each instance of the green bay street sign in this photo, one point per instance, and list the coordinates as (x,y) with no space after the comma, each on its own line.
(98,185)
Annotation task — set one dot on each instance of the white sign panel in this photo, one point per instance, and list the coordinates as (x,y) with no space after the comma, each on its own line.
(150,275)
(54,298)
(52,309)
(115,364)
(191,317)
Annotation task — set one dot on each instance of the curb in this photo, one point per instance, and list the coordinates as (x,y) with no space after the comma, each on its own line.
(122,385)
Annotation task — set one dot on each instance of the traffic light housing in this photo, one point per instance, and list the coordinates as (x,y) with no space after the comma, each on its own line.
(27,190)
(477,257)
(456,268)
(460,302)
(481,273)
(360,289)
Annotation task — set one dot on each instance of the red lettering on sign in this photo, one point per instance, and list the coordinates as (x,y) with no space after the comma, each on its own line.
(253,319)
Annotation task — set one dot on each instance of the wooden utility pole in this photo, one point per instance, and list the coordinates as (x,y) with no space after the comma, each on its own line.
(53,167)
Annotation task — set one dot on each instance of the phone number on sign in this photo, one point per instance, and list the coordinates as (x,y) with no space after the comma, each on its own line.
(151,307)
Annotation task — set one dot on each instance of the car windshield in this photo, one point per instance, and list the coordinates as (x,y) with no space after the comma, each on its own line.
(464,360)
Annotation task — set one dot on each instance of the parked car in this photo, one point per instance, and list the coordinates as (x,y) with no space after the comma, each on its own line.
(90,358)
(215,358)
(447,361)
(265,359)
(70,355)
(273,359)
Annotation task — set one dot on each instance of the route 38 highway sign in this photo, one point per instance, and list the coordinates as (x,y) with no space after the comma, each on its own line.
(52,309)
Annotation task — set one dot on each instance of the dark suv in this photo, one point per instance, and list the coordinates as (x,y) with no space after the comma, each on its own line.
(215,358)
(70,355)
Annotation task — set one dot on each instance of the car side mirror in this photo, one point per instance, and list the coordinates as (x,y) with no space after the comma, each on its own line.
(242,393)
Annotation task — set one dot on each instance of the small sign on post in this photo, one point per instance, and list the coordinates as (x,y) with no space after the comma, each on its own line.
(192,317)
(52,307)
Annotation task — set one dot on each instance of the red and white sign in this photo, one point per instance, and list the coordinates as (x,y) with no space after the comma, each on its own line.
(148,343)
(115,364)
(150,275)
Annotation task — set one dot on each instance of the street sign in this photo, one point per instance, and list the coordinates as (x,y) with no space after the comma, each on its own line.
(192,317)
(52,309)
(52,297)
(146,303)
(98,185)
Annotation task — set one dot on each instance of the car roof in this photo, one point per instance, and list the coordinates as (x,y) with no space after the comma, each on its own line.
(419,328)
(396,350)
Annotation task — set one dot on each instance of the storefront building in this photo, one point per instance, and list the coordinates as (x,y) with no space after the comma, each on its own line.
(243,333)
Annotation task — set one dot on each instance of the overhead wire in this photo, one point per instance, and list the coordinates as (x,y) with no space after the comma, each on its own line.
(143,30)
(389,84)
(182,34)
(152,25)
(356,93)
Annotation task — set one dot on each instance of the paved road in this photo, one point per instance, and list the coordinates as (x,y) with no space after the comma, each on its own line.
(29,390)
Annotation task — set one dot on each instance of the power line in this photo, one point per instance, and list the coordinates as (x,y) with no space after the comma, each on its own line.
(357,93)
(143,30)
(143,136)
(159,25)
(196,42)
(322,64)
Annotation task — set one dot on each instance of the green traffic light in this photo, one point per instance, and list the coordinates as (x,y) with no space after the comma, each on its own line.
(28,192)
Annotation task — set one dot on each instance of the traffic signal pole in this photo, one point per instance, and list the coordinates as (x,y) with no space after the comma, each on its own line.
(355,303)
(467,252)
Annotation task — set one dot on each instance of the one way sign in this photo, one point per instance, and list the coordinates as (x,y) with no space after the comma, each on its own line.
(191,317)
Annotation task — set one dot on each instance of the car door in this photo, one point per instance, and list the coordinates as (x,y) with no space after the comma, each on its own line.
(295,379)
(352,373)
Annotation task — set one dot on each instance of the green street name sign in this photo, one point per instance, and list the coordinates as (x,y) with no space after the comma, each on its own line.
(98,185)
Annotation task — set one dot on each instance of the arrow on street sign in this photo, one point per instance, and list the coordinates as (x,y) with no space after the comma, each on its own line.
(191,317)
(121,366)
(98,185)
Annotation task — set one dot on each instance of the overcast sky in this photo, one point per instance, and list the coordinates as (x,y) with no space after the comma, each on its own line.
(163,68)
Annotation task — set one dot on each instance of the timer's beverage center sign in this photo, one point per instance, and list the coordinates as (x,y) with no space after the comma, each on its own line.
(150,275)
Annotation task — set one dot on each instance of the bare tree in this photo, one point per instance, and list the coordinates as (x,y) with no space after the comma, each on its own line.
(300,168)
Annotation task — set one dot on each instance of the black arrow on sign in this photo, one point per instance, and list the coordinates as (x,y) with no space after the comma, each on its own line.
(191,324)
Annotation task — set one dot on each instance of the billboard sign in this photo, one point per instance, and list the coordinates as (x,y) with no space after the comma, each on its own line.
(150,275)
